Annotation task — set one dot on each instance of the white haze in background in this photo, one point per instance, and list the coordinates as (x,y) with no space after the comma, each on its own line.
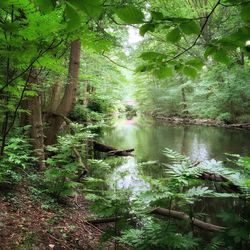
(133,39)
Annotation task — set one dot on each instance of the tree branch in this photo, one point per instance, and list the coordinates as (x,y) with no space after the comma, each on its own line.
(41,53)
(198,37)
(119,65)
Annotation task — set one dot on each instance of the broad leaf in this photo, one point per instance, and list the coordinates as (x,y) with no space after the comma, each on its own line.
(221,56)
(44,5)
(196,63)
(146,27)
(245,13)
(189,71)
(91,7)
(152,56)
(156,15)
(3,3)
(174,36)
(190,28)
(72,18)
(130,15)
(163,72)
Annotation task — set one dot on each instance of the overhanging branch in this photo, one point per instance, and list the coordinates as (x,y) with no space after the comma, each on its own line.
(198,37)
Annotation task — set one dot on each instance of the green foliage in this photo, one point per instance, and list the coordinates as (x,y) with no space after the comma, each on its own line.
(179,188)
(64,167)
(160,235)
(17,158)
(130,15)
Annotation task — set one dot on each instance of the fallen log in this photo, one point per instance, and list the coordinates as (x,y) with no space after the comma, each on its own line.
(111,150)
(104,220)
(126,152)
(170,214)
(183,216)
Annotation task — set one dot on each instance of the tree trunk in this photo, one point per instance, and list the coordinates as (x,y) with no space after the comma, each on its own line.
(55,97)
(37,123)
(65,106)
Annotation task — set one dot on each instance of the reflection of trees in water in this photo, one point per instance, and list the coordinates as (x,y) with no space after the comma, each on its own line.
(198,142)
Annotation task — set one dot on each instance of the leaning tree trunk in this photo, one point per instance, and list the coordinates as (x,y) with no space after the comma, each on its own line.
(55,121)
(36,122)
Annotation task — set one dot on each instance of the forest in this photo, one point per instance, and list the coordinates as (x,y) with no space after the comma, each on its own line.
(125,124)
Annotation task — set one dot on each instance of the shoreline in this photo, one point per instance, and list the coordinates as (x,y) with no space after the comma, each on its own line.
(200,121)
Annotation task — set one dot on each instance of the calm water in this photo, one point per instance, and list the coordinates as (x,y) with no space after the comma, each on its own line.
(149,138)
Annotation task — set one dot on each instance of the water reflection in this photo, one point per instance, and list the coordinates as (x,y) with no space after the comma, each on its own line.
(149,138)
(126,176)
(201,143)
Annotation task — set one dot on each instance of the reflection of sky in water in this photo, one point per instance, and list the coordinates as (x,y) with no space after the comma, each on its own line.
(126,176)
(198,151)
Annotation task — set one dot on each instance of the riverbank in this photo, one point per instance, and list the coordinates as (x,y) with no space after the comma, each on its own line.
(199,121)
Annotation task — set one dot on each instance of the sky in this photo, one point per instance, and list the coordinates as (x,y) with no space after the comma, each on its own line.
(134,36)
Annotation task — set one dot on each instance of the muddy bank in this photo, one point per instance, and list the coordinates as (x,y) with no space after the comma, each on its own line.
(197,121)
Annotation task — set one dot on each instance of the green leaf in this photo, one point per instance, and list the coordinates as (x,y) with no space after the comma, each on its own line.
(10,27)
(3,3)
(190,28)
(174,36)
(72,18)
(152,56)
(130,15)
(189,71)
(245,13)
(146,27)
(209,51)
(163,72)
(144,67)
(221,56)
(44,6)
(196,63)
(156,15)
(92,8)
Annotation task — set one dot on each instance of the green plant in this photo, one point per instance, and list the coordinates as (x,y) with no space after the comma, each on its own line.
(67,163)
(17,158)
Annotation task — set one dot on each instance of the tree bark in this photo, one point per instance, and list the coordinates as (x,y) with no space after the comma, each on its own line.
(65,106)
(55,97)
(110,150)
(37,133)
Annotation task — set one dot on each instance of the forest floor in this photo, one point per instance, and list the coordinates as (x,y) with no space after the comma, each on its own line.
(26,223)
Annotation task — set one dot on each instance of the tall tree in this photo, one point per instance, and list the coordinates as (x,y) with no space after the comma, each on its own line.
(55,119)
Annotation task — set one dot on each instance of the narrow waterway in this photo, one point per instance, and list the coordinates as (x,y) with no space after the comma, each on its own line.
(149,138)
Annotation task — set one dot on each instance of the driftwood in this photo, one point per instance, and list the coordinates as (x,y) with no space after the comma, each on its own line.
(170,214)
(111,151)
